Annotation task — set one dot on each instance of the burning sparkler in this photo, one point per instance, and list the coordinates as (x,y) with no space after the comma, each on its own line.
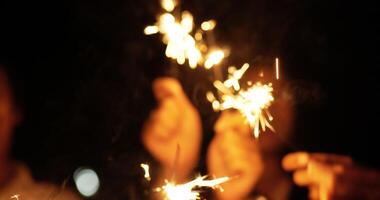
(252,103)
(145,167)
(181,42)
(15,197)
(184,44)
(188,191)
(185,191)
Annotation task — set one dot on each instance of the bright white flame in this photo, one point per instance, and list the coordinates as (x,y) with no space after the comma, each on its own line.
(86,181)
(168,5)
(150,30)
(234,76)
(16,196)
(277,69)
(252,102)
(182,44)
(146,171)
(214,58)
(187,191)
(208,25)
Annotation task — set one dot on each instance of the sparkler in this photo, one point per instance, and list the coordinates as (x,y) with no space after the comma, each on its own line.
(188,191)
(252,103)
(146,171)
(277,69)
(181,42)
(185,191)
(16,197)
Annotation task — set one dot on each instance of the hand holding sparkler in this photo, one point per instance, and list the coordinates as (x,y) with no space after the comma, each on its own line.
(174,123)
(233,153)
(332,177)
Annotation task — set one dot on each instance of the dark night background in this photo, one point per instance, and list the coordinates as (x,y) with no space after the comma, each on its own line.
(84,69)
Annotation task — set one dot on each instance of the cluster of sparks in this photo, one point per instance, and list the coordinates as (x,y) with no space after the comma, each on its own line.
(16,197)
(186,43)
(185,191)
(183,42)
(188,191)
(252,102)
(145,167)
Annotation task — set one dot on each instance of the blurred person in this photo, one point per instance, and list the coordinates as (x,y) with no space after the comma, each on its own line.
(332,177)
(15,177)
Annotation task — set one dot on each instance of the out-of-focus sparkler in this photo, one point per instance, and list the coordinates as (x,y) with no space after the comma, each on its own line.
(145,167)
(169,5)
(277,69)
(15,197)
(185,43)
(252,102)
(185,191)
(181,42)
(188,191)
(214,58)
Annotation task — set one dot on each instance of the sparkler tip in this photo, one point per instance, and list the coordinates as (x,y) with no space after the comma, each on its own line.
(168,5)
(277,69)
(208,25)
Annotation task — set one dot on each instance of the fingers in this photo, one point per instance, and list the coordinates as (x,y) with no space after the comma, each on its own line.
(301,178)
(332,159)
(300,160)
(330,176)
(235,155)
(319,172)
(163,121)
(321,175)
(237,152)
(295,161)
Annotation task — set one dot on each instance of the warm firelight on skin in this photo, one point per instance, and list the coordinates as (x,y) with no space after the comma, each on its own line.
(187,191)
(145,167)
(182,44)
(252,103)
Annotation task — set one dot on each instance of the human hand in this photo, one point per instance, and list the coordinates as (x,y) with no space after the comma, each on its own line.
(234,152)
(175,122)
(332,177)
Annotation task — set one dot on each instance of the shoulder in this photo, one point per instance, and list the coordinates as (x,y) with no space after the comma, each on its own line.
(24,187)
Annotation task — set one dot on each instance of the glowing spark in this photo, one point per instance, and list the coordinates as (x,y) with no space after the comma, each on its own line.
(252,103)
(150,30)
(208,25)
(234,76)
(182,44)
(187,191)
(277,69)
(214,58)
(168,5)
(261,74)
(146,171)
(16,197)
